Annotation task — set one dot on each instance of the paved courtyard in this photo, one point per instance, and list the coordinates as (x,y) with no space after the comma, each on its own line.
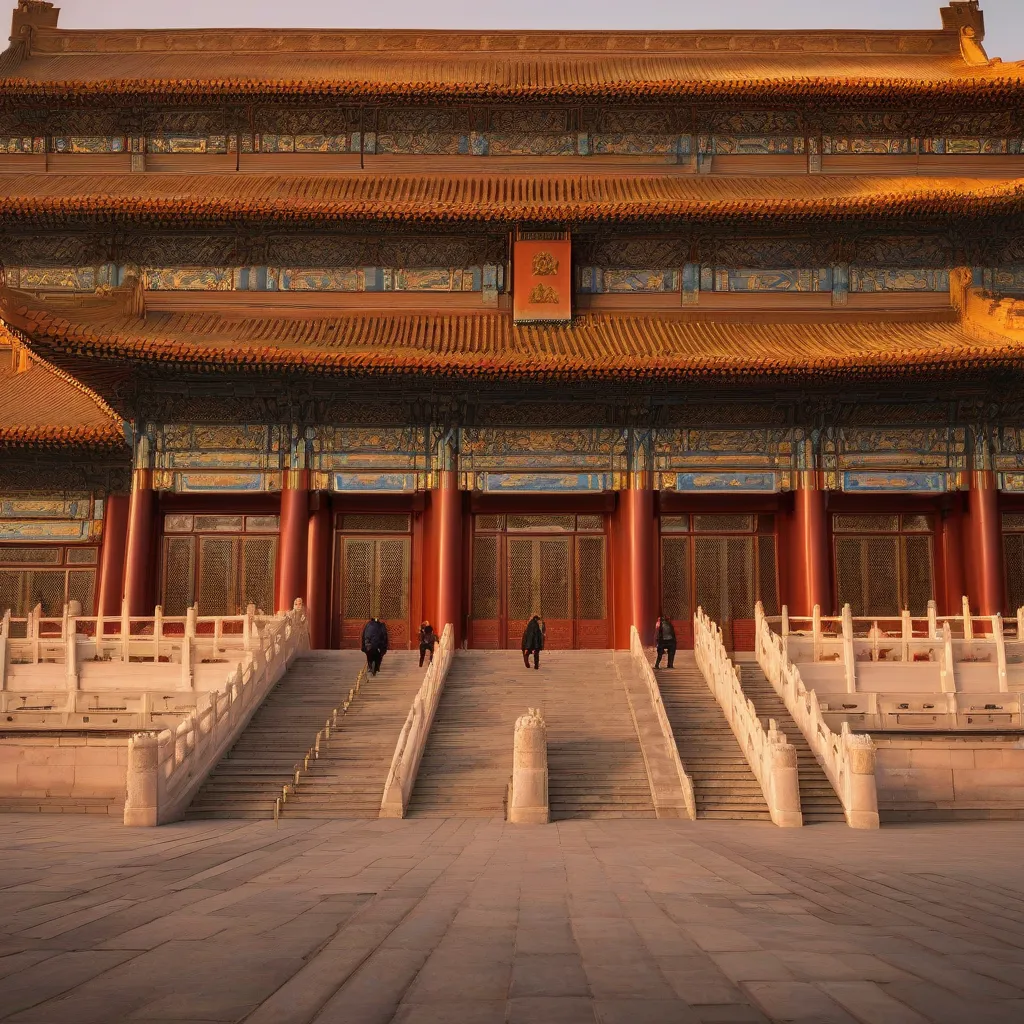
(473,922)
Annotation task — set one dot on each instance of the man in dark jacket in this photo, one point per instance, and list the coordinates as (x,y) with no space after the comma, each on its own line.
(375,644)
(665,637)
(533,641)
(427,640)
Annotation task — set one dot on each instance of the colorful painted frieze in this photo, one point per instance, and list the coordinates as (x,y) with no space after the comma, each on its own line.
(595,280)
(906,279)
(22,144)
(759,459)
(191,144)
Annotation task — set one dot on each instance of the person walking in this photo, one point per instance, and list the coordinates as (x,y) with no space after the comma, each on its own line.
(533,641)
(427,640)
(375,644)
(665,637)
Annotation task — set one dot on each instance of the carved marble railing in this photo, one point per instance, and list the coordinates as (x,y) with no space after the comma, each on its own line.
(412,741)
(771,757)
(642,666)
(848,759)
(166,769)
(949,672)
(89,672)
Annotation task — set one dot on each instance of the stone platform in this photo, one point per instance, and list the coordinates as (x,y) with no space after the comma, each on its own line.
(449,921)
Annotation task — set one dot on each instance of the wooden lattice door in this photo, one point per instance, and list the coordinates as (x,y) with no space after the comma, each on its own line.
(373,580)
(883,563)
(520,569)
(723,564)
(223,563)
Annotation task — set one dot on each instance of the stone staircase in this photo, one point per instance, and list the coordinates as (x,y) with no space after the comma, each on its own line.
(595,765)
(818,799)
(347,780)
(723,783)
(249,777)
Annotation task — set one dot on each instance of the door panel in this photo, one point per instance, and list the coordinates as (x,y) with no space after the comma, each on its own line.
(563,578)
(372,579)
(725,574)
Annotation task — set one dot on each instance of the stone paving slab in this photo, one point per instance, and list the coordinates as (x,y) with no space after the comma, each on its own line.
(456,921)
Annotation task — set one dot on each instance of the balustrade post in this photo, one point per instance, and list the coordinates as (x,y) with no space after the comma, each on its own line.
(126,631)
(141,807)
(158,632)
(849,655)
(3,661)
(1020,624)
(906,632)
(997,632)
(785,621)
(947,675)
(968,622)
(528,802)
(784,784)
(933,621)
(861,786)
(816,631)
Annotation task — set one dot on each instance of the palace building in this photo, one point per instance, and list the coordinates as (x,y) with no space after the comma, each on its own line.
(461,326)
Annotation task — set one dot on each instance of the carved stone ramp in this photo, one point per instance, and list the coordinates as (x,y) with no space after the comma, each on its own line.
(347,780)
(250,776)
(818,799)
(595,765)
(724,785)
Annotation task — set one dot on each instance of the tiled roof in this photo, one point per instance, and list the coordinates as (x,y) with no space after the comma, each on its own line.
(42,405)
(505,65)
(362,196)
(619,347)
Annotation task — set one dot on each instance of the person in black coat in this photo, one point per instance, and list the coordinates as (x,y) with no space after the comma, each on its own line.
(427,640)
(533,641)
(665,637)
(375,644)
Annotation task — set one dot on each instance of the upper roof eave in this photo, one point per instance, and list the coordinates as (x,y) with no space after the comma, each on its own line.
(498,198)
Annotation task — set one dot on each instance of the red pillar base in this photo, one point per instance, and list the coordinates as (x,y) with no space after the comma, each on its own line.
(447,529)
(293,544)
(811,576)
(643,574)
(984,544)
(113,553)
(140,563)
(318,569)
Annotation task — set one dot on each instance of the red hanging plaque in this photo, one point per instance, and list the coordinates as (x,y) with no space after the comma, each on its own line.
(542,281)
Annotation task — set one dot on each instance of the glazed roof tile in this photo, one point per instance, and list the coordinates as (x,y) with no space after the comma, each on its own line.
(489,345)
(42,405)
(418,64)
(468,197)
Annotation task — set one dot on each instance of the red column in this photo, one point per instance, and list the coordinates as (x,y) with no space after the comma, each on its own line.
(293,543)
(112,554)
(643,575)
(984,543)
(318,569)
(140,563)
(809,549)
(954,585)
(447,528)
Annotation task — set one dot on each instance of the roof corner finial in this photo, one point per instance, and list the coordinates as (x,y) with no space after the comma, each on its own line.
(30,14)
(967,18)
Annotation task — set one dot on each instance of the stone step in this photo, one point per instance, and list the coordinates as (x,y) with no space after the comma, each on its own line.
(595,765)
(357,756)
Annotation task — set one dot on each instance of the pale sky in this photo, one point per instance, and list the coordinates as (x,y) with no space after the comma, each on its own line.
(1004,18)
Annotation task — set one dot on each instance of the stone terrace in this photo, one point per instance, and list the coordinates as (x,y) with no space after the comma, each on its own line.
(475,921)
